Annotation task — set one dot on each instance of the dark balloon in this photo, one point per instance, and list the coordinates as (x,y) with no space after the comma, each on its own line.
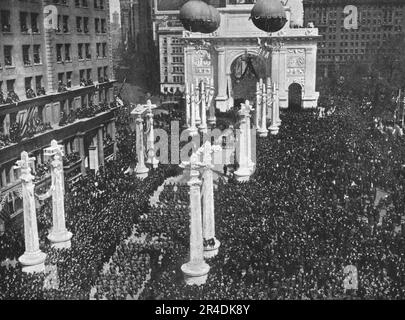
(269,15)
(197,16)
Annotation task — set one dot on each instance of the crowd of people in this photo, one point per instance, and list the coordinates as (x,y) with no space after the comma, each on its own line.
(308,212)
(100,212)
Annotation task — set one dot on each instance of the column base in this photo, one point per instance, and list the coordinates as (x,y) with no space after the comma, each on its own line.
(252,167)
(212,251)
(195,274)
(203,129)
(60,240)
(141,172)
(222,103)
(212,121)
(153,162)
(274,130)
(243,175)
(33,261)
(193,131)
(263,133)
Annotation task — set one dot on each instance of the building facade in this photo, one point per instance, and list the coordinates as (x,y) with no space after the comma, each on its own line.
(115,34)
(56,82)
(287,57)
(237,39)
(342,43)
(138,37)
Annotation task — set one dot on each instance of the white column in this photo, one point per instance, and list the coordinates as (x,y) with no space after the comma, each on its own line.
(222,97)
(188,105)
(59,236)
(258,105)
(231,101)
(244,172)
(100,145)
(141,170)
(211,119)
(211,244)
(193,129)
(33,259)
(196,270)
(151,138)
(203,125)
(197,99)
(249,143)
(277,103)
(274,128)
(263,132)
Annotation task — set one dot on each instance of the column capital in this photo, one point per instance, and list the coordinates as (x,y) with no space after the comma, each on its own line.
(219,49)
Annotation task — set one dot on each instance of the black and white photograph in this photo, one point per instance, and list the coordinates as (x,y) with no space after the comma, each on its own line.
(219,151)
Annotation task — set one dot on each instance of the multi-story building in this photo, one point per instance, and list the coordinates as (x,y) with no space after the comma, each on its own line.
(51,80)
(136,23)
(116,39)
(377,21)
(137,34)
(168,35)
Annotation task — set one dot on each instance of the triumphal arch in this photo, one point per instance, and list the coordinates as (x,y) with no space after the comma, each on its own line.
(288,56)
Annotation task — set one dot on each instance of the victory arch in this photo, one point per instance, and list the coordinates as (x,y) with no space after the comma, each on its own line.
(288,57)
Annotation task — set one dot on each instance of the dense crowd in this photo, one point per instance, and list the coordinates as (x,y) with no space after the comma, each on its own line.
(100,212)
(308,212)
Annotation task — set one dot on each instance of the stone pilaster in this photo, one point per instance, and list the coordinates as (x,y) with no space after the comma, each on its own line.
(33,259)
(151,139)
(114,135)
(59,236)
(141,170)
(80,137)
(196,270)
(203,125)
(245,164)
(100,145)
(197,102)
(222,97)
(274,127)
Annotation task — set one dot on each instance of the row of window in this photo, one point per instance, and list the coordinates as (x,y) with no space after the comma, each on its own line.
(348,44)
(175,70)
(83,51)
(63,78)
(363,22)
(361,51)
(30,21)
(63,53)
(98,4)
(176,79)
(29,57)
(82,25)
(174,60)
(175,40)
(331,12)
(9,85)
(345,58)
